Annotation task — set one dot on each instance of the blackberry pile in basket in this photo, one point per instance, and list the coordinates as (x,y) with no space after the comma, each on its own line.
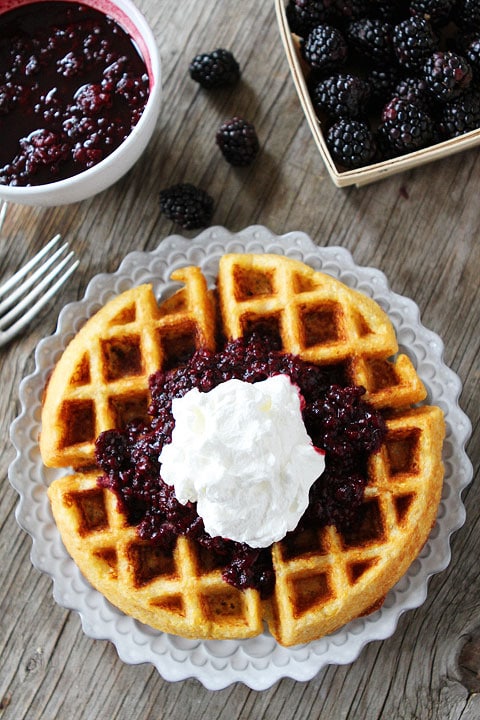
(388,77)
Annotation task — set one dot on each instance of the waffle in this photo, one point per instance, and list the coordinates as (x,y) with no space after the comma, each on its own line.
(324,577)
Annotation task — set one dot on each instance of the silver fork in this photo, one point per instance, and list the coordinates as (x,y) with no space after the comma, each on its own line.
(24,294)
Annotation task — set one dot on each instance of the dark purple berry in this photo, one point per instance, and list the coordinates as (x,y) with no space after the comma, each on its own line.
(324,48)
(467,14)
(471,52)
(372,38)
(187,205)
(382,81)
(238,141)
(437,12)
(304,15)
(405,127)
(215,69)
(413,90)
(461,115)
(341,95)
(413,42)
(351,143)
(447,75)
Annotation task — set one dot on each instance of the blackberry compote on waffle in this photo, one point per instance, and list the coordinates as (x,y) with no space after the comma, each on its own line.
(324,574)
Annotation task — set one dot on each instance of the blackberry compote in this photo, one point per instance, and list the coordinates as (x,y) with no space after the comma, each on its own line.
(336,417)
(72,88)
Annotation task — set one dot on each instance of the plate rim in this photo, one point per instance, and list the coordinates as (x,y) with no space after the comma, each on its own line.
(257,663)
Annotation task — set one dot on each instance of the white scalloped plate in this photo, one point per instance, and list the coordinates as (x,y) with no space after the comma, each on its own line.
(257,662)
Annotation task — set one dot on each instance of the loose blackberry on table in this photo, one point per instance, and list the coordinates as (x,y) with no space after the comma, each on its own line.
(215,69)
(238,141)
(187,205)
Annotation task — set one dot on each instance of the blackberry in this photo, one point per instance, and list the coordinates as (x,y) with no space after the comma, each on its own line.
(471,51)
(351,143)
(304,15)
(404,128)
(371,38)
(215,69)
(438,12)
(413,90)
(341,95)
(447,75)
(349,10)
(413,42)
(460,115)
(467,14)
(238,141)
(324,48)
(187,205)
(390,11)
(382,82)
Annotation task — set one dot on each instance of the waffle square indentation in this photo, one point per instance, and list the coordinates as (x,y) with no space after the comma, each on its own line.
(356,570)
(264,325)
(402,452)
(126,409)
(108,557)
(252,283)
(178,344)
(92,513)
(207,561)
(172,604)
(122,357)
(224,605)
(150,562)
(303,543)
(309,591)
(381,375)
(402,504)
(78,421)
(366,528)
(321,325)
(81,373)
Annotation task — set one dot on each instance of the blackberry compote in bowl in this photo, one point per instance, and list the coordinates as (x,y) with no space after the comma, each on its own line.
(80,95)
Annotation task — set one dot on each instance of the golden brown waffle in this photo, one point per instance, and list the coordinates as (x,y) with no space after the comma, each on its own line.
(324,578)
(101,381)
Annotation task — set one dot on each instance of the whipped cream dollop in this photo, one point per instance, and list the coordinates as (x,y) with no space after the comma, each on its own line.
(242,453)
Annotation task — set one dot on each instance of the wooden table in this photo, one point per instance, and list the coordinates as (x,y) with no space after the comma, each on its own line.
(421,229)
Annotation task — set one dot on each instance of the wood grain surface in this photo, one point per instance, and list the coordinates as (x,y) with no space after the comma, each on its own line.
(421,229)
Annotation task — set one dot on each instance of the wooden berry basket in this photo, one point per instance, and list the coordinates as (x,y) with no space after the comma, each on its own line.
(368,173)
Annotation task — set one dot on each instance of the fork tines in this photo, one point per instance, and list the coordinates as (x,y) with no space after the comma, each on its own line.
(24,294)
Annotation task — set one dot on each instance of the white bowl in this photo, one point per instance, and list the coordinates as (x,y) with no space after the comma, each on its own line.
(112,168)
